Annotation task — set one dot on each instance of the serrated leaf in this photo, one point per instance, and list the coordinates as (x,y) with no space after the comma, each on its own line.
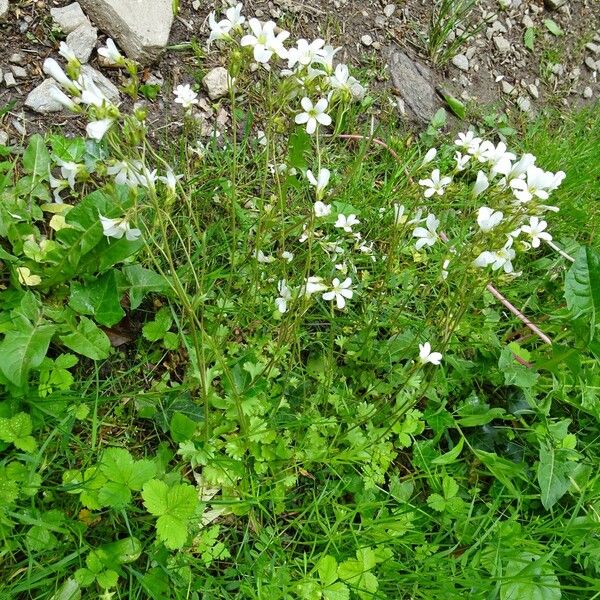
(157,329)
(107,579)
(529,38)
(582,285)
(113,494)
(36,159)
(88,340)
(143,281)
(336,591)
(436,502)
(553,27)
(327,569)
(17,430)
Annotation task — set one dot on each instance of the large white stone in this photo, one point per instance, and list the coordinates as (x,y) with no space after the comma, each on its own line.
(140,27)
(216,83)
(82,41)
(3,9)
(69,18)
(41,101)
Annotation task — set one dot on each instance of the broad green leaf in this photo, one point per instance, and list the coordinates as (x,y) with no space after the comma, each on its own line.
(126,550)
(172,531)
(505,471)
(36,159)
(439,119)
(456,106)
(24,350)
(155,497)
(107,579)
(582,285)
(68,149)
(530,578)
(327,569)
(436,502)
(157,329)
(88,340)
(529,38)
(452,455)
(553,27)
(143,281)
(182,428)
(553,475)
(84,577)
(336,591)
(98,297)
(113,494)
(17,430)
(118,465)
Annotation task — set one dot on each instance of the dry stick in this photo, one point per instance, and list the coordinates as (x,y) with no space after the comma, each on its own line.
(513,309)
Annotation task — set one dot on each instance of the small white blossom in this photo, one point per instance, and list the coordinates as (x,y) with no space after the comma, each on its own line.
(117,228)
(461,161)
(313,115)
(97,129)
(287,256)
(185,96)
(313,285)
(535,230)
(488,218)
(482,184)
(111,53)
(499,159)
(467,141)
(399,217)
(304,53)
(346,223)
(58,95)
(170,180)
(261,257)
(69,171)
(500,259)
(427,356)
(321,209)
(427,236)
(431,154)
(325,57)
(285,295)
(54,70)
(264,41)
(342,80)
(435,184)
(320,182)
(339,291)
(67,53)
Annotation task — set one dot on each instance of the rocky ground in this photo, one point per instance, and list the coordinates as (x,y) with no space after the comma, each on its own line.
(524,55)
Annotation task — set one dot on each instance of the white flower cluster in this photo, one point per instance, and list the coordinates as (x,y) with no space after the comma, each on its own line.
(514,186)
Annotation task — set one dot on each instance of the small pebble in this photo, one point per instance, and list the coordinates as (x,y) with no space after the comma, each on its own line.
(460,61)
(502,44)
(367,40)
(588,92)
(533,90)
(524,104)
(528,22)
(196,4)
(17,58)
(594,48)
(389,10)
(591,63)
(9,80)
(18,72)
(507,88)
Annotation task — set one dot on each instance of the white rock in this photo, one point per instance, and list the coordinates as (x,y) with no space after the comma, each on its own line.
(19,72)
(69,18)
(594,48)
(3,138)
(216,83)
(196,4)
(532,89)
(507,87)
(107,87)
(17,58)
(140,27)
(528,22)
(588,92)
(502,44)
(389,10)
(591,64)
(82,41)
(366,39)
(3,9)
(524,104)
(39,98)
(461,62)
(9,80)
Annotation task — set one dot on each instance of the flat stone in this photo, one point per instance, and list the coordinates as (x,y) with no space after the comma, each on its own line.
(532,89)
(588,92)
(69,18)
(107,87)
(40,99)
(82,41)
(460,61)
(366,40)
(593,48)
(140,27)
(389,10)
(554,4)
(3,9)
(17,58)
(216,83)
(3,138)
(19,72)
(9,80)
(502,44)
(507,87)
(591,64)
(524,104)
(414,83)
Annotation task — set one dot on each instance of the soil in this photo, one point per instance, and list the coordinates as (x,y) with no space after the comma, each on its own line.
(555,72)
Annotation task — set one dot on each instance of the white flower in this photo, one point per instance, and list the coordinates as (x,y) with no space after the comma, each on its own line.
(325,57)
(431,154)
(435,184)
(557,179)
(69,170)
(170,180)
(285,295)
(467,141)
(304,53)
(264,41)
(58,95)
(261,257)
(535,230)
(399,218)
(97,129)
(287,256)
(321,209)
(340,291)
(145,177)
(320,182)
(342,80)
(54,70)
(219,30)
(233,15)
(346,223)
(482,184)
(117,228)
(427,236)
(427,356)
(57,185)
(261,137)
(91,93)
(185,96)
(67,53)
(313,285)
(445,268)
(124,173)
(499,259)
(488,218)
(499,159)
(461,161)
(111,53)
(313,115)
(521,166)
(534,184)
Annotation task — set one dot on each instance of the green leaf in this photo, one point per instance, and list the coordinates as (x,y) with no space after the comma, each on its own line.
(107,579)
(36,159)
(143,281)
(88,340)
(126,550)
(451,456)
(437,502)
(157,329)
(173,506)
(504,470)
(68,149)
(17,430)
(456,106)
(439,119)
(98,297)
(529,38)
(327,569)
(182,428)
(529,578)
(24,350)
(553,475)
(553,28)
(115,495)
(69,590)
(118,465)
(582,285)
(336,591)
(84,577)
